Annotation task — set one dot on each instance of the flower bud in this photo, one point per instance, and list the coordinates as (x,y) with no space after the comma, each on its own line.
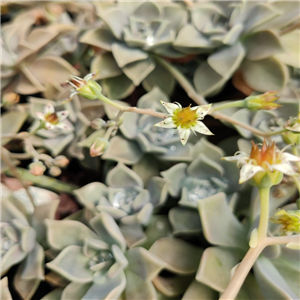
(98,123)
(263,101)
(55,171)
(37,168)
(10,99)
(289,221)
(98,147)
(60,161)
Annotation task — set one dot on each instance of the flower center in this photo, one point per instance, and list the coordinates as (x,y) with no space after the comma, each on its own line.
(52,118)
(265,156)
(185,117)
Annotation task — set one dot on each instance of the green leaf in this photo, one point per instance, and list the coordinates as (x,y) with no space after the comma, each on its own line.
(226,60)
(269,44)
(271,282)
(11,122)
(268,74)
(161,78)
(147,11)
(122,177)
(117,87)
(215,267)
(133,234)
(65,233)
(108,230)
(99,37)
(107,288)
(138,70)
(72,264)
(220,225)
(180,257)
(125,55)
(207,81)
(144,264)
(196,288)
(75,290)
(123,150)
(54,295)
(106,65)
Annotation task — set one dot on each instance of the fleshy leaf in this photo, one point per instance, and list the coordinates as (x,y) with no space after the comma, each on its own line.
(143,263)
(5,293)
(72,264)
(180,257)
(137,288)
(122,177)
(133,234)
(67,232)
(215,267)
(75,290)
(123,150)
(11,122)
(108,230)
(222,228)
(158,189)
(268,74)
(269,44)
(196,288)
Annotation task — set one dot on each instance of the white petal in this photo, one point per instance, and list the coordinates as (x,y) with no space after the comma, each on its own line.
(65,126)
(248,171)
(285,168)
(235,157)
(90,76)
(170,107)
(184,135)
(40,115)
(200,127)
(290,157)
(62,115)
(167,123)
(49,109)
(202,110)
(49,126)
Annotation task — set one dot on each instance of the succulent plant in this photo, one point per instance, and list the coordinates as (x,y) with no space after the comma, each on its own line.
(207,175)
(23,236)
(128,34)
(274,273)
(125,199)
(27,52)
(229,32)
(96,261)
(142,137)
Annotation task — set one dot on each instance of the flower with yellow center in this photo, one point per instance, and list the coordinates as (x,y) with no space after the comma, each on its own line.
(185,119)
(52,120)
(265,165)
(289,221)
(85,87)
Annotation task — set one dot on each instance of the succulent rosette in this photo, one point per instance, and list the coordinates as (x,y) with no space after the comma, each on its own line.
(274,271)
(140,136)
(96,262)
(26,52)
(125,199)
(128,34)
(23,236)
(230,33)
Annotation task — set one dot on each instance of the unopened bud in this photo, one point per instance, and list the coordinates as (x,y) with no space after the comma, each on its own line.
(98,147)
(55,171)
(10,99)
(60,161)
(263,101)
(98,124)
(37,168)
(289,221)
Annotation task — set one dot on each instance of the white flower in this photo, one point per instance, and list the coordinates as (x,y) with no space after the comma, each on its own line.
(52,120)
(185,119)
(267,160)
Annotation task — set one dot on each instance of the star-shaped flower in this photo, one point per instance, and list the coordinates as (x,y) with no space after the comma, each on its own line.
(185,119)
(267,160)
(85,87)
(289,221)
(52,120)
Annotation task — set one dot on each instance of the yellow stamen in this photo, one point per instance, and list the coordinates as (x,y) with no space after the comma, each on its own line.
(185,117)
